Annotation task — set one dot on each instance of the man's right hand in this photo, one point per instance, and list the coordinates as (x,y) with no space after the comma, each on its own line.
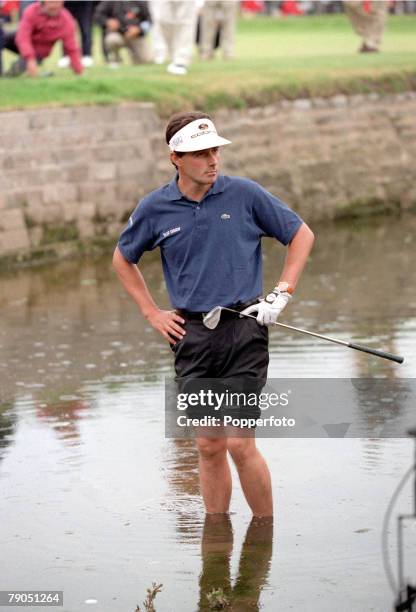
(166,322)
(32,68)
(113,25)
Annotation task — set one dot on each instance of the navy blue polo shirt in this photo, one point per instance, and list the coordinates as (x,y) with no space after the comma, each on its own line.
(210,250)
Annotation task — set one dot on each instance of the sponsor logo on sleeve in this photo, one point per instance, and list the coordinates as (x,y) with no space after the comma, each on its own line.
(174,230)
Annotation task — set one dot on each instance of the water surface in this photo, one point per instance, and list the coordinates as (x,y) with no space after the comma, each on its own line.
(97,503)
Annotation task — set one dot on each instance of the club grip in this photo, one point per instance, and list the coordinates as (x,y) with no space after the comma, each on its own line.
(383,354)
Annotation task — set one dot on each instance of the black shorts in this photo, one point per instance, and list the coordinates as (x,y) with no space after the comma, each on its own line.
(233,358)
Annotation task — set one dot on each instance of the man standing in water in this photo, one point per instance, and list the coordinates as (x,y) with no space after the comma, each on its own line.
(209,229)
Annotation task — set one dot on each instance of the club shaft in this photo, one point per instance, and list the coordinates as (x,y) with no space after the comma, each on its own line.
(353,345)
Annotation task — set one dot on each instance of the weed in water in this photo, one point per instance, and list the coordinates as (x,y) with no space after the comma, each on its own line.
(150,597)
(217,599)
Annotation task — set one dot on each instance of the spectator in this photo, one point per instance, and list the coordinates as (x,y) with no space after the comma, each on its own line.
(271,8)
(1,47)
(218,14)
(82,13)
(327,6)
(23,4)
(9,10)
(249,8)
(42,25)
(368,20)
(127,24)
(290,7)
(174,31)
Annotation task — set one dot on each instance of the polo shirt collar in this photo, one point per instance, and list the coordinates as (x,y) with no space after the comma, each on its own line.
(175,194)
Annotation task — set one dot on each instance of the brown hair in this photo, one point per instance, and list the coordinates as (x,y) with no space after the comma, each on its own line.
(179,120)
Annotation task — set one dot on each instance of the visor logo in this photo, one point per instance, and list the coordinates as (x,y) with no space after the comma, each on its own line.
(225,216)
(177,141)
(203,133)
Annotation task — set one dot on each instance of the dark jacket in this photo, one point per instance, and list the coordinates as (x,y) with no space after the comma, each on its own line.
(132,13)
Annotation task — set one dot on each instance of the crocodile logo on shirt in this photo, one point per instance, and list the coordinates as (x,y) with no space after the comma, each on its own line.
(225,216)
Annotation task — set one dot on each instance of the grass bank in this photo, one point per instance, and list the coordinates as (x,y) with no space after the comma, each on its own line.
(275,59)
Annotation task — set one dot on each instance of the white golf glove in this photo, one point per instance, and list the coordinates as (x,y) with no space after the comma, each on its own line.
(269,309)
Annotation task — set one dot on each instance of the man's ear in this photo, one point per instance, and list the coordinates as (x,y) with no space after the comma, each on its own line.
(174,158)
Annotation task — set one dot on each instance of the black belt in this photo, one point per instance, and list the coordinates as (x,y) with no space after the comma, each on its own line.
(188,314)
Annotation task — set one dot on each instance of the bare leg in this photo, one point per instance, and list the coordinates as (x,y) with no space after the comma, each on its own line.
(254,474)
(214,474)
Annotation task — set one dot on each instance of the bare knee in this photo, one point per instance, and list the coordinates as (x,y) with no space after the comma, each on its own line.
(241,449)
(211,449)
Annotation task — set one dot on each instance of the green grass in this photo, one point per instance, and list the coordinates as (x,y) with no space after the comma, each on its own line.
(275,58)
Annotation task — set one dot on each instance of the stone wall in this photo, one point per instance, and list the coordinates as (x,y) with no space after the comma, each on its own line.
(71,176)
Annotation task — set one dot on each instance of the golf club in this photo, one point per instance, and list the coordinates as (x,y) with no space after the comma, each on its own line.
(212,318)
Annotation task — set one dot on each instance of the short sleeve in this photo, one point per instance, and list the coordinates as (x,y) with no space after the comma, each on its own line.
(273,217)
(137,237)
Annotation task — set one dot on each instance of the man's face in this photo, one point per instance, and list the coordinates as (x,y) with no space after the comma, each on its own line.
(52,7)
(200,167)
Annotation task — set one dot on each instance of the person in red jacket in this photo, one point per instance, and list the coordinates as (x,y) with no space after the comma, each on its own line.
(43,23)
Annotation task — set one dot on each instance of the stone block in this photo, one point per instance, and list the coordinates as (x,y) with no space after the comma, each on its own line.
(115,228)
(142,114)
(77,136)
(59,192)
(128,132)
(76,173)
(11,198)
(71,155)
(33,197)
(86,228)
(92,191)
(22,198)
(127,191)
(90,115)
(103,171)
(408,199)
(86,210)
(53,118)
(106,211)
(34,215)
(14,160)
(52,214)
(339,101)
(110,153)
(357,100)
(35,236)
(14,240)
(12,219)
(132,167)
(15,122)
(70,211)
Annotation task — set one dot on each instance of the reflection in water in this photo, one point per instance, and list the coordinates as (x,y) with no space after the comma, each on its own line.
(63,416)
(217,536)
(8,422)
(253,568)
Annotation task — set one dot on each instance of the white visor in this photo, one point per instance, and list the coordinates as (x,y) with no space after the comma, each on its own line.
(196,136)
